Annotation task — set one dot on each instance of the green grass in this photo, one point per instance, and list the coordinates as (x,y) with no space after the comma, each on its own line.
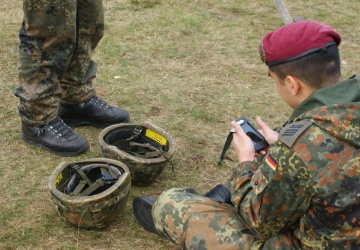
(188,66)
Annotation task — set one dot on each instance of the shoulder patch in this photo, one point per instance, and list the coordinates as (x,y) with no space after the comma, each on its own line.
(291,132)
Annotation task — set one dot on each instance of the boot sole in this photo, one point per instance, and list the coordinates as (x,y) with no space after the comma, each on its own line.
(141,209)
(60,153)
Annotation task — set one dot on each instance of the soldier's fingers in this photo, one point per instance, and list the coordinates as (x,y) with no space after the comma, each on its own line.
(263,126)
(238,129)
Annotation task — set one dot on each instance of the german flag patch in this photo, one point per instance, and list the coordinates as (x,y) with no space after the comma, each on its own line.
(270,161)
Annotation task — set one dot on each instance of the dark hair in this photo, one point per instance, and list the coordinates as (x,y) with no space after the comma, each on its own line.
(317,70)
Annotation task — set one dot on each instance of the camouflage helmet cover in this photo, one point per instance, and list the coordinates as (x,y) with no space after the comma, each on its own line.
(145,148)
(97,209)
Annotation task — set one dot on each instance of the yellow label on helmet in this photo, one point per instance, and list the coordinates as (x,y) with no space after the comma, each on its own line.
(155,136)
(58,179)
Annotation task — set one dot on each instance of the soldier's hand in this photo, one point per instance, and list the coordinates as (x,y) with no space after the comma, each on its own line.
(270,135)
(243,145)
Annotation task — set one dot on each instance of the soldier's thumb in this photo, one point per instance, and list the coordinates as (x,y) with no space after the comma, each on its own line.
(263,126)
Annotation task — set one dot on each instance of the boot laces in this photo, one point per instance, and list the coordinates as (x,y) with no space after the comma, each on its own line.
(58,128)
(100,102)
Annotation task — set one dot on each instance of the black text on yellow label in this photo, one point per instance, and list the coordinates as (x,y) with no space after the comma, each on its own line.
(156,137)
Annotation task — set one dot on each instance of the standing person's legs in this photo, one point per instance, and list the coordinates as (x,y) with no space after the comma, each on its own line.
(79,105)
(197,222)
(47,40)
(77,81)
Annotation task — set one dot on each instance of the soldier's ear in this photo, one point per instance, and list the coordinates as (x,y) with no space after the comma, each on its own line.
(293,84)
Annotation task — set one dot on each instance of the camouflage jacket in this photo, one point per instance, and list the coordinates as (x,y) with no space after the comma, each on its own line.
(309,182)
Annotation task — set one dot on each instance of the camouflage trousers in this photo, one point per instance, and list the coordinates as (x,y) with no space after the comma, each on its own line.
(56,41)
(197,222)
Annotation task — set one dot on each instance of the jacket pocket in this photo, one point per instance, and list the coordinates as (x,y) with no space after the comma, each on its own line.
(48,18)
(258,182)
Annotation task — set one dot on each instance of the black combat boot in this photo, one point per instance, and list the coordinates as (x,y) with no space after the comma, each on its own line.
(142,206)
(94,112)
(55,137)
(220,193)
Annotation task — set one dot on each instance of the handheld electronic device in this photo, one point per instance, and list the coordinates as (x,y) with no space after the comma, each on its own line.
(257,138)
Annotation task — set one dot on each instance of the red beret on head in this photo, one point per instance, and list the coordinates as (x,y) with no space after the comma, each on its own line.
(296,40)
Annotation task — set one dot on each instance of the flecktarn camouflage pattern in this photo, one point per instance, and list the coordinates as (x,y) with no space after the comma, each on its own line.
(56,43)
(179,209)
(309,183)
(304,194)
(95,210)
(145,148)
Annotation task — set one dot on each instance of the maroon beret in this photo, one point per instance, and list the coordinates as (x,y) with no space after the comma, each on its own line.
(296,40)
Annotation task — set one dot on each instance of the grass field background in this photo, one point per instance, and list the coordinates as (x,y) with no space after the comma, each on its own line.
(188,66)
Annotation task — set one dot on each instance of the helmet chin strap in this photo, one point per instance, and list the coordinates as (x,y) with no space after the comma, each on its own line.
(107,177)
(143,150)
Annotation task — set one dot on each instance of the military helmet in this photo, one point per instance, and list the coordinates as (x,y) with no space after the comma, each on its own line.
(90,193)
(144,148)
